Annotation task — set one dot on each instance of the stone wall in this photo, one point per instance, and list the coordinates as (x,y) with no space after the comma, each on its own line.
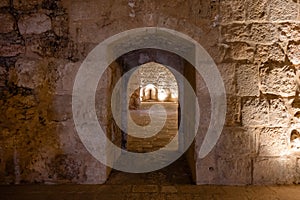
(255,44)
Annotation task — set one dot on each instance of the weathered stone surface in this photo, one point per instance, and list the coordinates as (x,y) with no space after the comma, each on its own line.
(247,80)
(293,52)
(227,71)
(26,73)
(4,3)
(236,142)
(34,23)
(8,23)
(289,31)
(3,75)
(10,50)
(61,108)
(273,171)
(279,115)
(232,11)
(256,32)
(235,171)
(270,53)
(66,78)
(26,4)
(256,10)
(255,112)
(283,10)
(233,114)
(273,142)
(240,51)
(277,80)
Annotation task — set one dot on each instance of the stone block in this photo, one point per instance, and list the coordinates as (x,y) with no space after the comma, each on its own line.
(247,80)
(293,52)
(34,23)
(233,113)
(67,74)
(235,32)
(239,51)
(277,80)
(232,11)
(263,33)
(279,115)
(26,4)
(227,71)
(206,170)
(3,76)
(7,23)
(10,50)
(256,10)
(265,53)
(61,108)
(236,142)
(236,171)
(273,142)
(273,171)
(88,9)
(289,31)
(4,3)
(283,10)
(25,74)
(255,112)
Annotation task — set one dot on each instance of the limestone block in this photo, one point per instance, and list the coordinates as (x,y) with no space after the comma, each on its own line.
(26,73)
(236,142)
(289,31)
(256,10)
(273,171)
(89,9)
(298,165)
(232,11)
(233,113)
(277,80)
(10,50)
(293,52)
(263,33)
(26,4)
(7,23)
(236,171)
(4,3)
(283,10)
(279,115)
(34,23)
(240,51)
(256,32)
(247,80)
(255,112)
(266,53)
(273,142)
(67,74)
(3,76)
(61,108)
(206,170)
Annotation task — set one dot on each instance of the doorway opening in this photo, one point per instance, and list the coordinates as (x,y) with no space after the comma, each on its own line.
(152,84)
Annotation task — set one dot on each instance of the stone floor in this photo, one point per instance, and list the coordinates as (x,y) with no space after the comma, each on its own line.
(145,192)
(171,183)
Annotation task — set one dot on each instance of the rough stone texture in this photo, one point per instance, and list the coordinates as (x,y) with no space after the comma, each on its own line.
(43,43)
(7,24)
(271,53)
(247,80)
(293,53)
(277,80)
(283,10)
(273,142)
(34,24)
(273,170)
(255,112)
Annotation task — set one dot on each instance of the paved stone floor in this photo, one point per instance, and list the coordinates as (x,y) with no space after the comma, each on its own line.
(171,183)
(147,192)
